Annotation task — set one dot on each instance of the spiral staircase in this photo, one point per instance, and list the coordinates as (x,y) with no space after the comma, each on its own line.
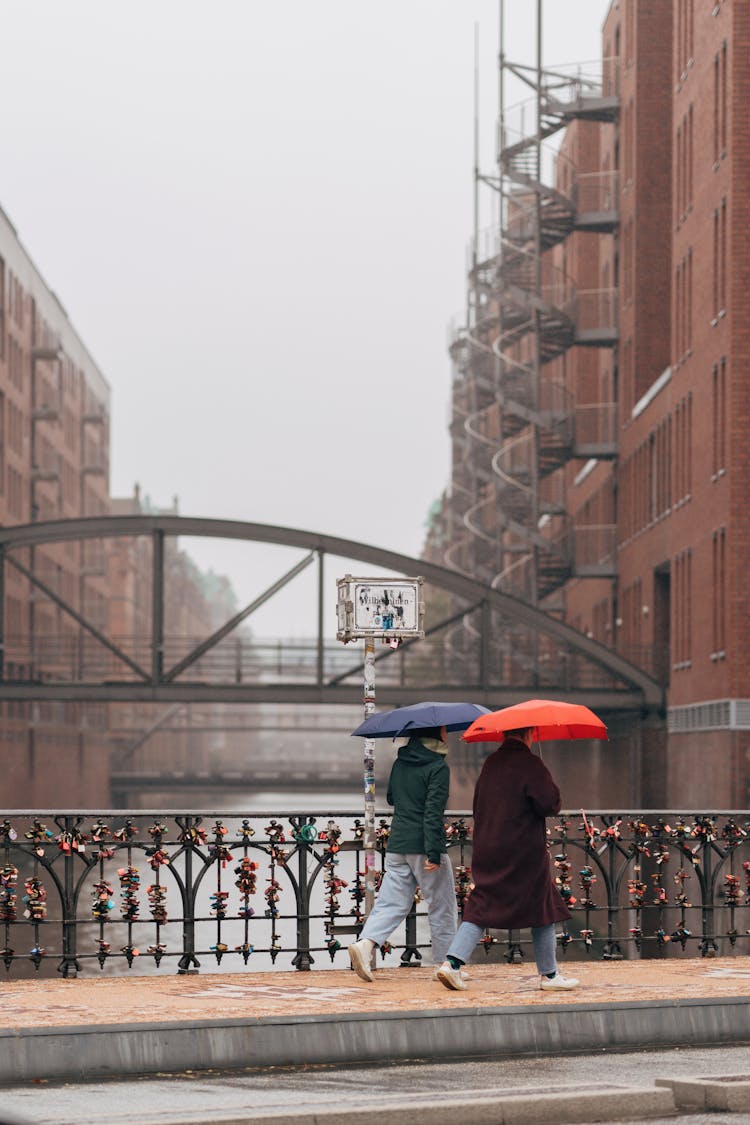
(514,428)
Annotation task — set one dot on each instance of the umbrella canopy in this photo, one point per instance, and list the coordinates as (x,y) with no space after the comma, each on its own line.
(549,718)
(420,716)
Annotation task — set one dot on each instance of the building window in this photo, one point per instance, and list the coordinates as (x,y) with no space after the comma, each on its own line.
(715,278)
(15,493)
(667,467)
(630,621)
(689,141)
(678,176)
(723,96)
(718,617)
(720,105)
(689,447)
(689,607)
(683,174)
(683,311)
(690,5)
(628,129)
(722,451)
(682,469)
(684,167)
(723,258)
(2,443)
(2,309)
(15,429)
(15,364)
(719,411)
(16,298)
(628,260)
(665,498)
(628,382)
(717,109)
(689,302)
(684,38)
(677,306)
(683,610)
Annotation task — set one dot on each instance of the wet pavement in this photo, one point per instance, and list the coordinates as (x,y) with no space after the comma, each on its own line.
(395,1092)
(90,1030)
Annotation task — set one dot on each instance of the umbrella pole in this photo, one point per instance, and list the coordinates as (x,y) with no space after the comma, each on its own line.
(369,776)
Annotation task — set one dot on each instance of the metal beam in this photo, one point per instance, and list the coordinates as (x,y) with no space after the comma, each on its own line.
(238,618)
(395,696)
(331,779)
(77,616)
(272,726)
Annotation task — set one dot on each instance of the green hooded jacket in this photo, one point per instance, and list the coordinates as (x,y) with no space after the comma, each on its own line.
(418,790)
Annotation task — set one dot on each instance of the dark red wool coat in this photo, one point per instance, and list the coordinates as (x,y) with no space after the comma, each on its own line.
(510,866)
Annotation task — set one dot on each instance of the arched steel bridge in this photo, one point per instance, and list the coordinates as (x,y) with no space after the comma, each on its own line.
(517,651)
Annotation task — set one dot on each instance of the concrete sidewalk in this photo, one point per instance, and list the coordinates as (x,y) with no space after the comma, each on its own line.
(96,1027)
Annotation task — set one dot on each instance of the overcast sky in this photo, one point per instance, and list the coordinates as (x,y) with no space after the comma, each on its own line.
(256,215)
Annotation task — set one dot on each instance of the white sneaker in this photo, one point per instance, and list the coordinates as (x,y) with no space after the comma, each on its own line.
(451,978)
(558,983)
(463,973)
(360,955)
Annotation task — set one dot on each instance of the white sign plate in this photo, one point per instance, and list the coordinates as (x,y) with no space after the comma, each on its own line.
(377,607)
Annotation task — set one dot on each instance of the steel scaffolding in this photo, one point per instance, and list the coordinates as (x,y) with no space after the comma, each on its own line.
(516,421)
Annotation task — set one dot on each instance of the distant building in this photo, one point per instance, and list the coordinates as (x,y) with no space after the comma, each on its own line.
(601,394)
(54,464)
(164,739)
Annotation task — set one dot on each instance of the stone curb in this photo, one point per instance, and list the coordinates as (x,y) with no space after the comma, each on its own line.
(730,1093)
(532,1107)
(96,1050)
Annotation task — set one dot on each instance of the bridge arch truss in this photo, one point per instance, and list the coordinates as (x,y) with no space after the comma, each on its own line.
(515,649)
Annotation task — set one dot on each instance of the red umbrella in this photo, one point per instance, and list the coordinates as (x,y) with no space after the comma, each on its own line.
(549,718)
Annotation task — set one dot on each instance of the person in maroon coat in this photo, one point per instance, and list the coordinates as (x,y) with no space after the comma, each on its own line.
(513,886)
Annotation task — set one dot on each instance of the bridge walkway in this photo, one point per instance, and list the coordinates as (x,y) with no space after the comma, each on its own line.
(93,1027)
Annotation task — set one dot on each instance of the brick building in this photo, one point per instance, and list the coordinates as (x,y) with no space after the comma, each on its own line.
(683,533)
(54,464)
(601,399)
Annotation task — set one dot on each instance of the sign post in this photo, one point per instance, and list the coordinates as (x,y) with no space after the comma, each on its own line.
(389,609)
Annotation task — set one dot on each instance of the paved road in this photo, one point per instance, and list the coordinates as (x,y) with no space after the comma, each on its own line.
(194,1097)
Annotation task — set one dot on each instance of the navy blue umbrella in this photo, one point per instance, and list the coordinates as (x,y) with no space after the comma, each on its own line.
(420,716)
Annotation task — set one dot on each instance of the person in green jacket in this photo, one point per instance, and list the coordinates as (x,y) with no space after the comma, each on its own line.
(416,855)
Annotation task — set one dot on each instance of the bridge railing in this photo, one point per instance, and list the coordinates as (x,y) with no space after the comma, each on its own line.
(47,658)
(151,891)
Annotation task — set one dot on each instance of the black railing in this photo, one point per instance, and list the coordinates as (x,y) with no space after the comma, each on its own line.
(121,891)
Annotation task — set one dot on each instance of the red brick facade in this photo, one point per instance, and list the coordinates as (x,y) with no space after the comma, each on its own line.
(683,466)
(54,464)
(675,491)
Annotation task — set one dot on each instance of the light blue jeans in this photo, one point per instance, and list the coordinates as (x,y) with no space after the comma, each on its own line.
(542,937)
(403,874)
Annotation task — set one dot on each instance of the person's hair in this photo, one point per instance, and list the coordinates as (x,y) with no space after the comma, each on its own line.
(520,732)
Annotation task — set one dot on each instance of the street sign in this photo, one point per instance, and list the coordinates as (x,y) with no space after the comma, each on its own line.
(386,608)
(390,609)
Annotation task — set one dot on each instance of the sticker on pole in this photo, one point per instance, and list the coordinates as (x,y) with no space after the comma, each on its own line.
(388,608)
